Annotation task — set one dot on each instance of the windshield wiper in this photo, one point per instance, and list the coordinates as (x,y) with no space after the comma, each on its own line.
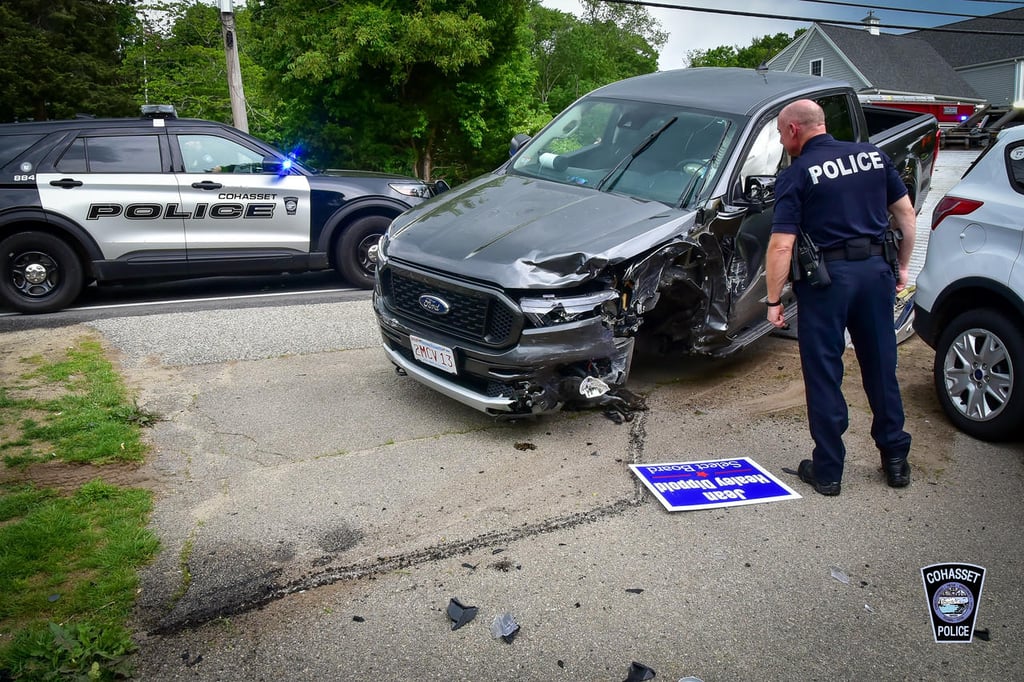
(621,166)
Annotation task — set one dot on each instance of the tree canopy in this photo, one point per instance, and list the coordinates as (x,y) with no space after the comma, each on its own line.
(760,50)
(435,88)
(62,57)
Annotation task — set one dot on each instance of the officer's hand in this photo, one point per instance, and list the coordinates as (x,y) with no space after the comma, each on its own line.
(777,315)
(901,283)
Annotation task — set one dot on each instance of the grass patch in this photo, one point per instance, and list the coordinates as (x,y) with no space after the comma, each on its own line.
(69,562)
(89,418)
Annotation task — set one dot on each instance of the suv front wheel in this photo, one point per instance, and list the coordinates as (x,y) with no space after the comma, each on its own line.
(39,273)
(352,259)
(979,359)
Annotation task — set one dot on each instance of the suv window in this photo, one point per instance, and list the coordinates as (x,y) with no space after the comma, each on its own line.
(113,154)
(212,154)
(13,145)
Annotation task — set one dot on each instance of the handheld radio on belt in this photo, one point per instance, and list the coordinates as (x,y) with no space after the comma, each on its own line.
(809,263)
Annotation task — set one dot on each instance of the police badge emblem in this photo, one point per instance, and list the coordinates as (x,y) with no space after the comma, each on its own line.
(954,593)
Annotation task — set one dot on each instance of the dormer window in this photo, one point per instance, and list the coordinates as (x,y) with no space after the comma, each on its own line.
(815,67)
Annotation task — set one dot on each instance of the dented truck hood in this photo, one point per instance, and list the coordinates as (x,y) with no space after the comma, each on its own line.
(527,233)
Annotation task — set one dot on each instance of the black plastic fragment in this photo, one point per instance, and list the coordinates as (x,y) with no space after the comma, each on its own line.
(460,614)
(639,672)
(634,590)
(983,634)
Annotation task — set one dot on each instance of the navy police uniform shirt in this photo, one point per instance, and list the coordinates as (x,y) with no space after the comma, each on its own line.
(835,191)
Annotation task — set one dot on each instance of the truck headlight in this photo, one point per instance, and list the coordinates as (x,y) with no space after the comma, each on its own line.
(552,310)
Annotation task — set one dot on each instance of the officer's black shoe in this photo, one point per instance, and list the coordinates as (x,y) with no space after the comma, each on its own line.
(806,473)
(897,473)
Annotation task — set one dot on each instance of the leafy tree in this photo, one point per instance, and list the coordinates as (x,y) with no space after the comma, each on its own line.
(62,57)
(178,58)
(760,50)
(575,55)
(402,85)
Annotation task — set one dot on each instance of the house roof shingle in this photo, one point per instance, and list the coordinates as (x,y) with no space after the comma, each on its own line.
(964,49)
(899,63)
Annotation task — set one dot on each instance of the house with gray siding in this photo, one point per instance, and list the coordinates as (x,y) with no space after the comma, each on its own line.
(879,66)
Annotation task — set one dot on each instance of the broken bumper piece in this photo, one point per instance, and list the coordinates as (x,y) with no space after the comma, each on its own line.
(578,364)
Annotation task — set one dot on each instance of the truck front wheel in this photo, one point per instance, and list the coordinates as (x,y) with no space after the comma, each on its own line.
(39,273)
(352,256)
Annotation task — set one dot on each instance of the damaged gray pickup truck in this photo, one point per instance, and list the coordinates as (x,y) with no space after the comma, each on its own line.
(639,217)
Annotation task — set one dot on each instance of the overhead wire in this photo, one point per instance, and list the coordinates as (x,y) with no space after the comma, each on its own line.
(915,11)
(839,22)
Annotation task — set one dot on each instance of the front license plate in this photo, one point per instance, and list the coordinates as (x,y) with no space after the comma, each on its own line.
(433,354)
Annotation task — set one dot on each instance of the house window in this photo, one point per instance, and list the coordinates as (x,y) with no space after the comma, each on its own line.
(815,67)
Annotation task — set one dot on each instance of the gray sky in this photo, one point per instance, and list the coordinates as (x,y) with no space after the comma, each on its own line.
(701,31)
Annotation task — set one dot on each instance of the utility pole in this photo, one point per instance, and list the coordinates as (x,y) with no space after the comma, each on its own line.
(227,20)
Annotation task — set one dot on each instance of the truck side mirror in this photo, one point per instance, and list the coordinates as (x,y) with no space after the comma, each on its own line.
(517,143)
(759,192)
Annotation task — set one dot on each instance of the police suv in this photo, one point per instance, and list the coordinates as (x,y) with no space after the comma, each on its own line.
(158,197)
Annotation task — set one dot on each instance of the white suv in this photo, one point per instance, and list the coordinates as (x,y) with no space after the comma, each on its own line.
(969,304)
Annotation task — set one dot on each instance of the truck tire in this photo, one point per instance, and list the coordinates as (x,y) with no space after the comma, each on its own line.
(979,365)
(39,272)
(351,258)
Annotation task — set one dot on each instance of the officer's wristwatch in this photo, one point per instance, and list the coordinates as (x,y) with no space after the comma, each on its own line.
(773,304)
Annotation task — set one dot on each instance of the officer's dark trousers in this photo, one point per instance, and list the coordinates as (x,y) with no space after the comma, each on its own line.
(861,299)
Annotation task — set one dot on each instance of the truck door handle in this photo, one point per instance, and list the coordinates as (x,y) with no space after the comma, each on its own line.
(206,184)
(66,183)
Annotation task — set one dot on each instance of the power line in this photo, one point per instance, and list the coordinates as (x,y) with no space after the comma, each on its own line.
(917,11)
(759,15)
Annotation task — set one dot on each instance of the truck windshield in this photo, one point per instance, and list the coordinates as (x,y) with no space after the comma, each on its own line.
(649,151)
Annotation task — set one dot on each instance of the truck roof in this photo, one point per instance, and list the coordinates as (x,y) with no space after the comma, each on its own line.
(728,90)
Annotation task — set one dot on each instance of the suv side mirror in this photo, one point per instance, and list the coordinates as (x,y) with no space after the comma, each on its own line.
(274,166)
(440,186)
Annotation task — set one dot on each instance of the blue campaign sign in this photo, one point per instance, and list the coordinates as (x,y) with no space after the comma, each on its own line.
(711,483)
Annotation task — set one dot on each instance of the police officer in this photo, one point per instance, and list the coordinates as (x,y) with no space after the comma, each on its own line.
(840,195)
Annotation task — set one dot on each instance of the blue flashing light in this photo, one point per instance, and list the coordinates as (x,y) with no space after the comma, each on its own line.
(963,117)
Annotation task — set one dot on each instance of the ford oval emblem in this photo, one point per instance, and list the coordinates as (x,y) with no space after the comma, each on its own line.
(434,304)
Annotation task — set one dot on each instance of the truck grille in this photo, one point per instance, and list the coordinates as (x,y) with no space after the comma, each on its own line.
(473,314)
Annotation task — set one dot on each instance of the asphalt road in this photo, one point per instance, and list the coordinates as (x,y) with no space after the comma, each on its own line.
(318,512)
(327,510)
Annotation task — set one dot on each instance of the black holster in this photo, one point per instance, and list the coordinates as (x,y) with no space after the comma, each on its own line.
(891,249)
(808,263)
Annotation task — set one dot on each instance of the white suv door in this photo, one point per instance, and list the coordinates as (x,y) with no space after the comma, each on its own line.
(234,209)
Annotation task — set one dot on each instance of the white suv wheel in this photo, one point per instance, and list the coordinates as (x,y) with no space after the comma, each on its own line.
(978,358)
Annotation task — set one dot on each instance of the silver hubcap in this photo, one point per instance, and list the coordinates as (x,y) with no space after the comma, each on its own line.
(35,273)
(979,374)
